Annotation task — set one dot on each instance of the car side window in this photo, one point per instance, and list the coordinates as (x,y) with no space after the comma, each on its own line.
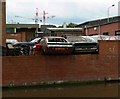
(42,41)
(51,40)
(63,40)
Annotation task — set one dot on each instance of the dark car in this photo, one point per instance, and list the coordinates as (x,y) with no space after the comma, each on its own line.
(83,43)
(31,43)
(56,45)
(26,46)
(10,49)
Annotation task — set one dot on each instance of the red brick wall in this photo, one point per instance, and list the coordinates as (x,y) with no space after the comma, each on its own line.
(111,28)
(22,35)
(18,36)
(30,69)
(69,34)
(111,47)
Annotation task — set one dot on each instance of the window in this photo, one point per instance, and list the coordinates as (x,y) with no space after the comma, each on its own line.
(10,30)
(117,33)
(56,40)
(106,33)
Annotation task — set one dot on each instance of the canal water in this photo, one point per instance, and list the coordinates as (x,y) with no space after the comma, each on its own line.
(91,90)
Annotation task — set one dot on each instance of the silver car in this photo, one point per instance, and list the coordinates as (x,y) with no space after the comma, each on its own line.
(83,43)
(56,45)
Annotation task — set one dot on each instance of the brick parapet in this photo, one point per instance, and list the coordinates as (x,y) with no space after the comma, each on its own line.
(20,70)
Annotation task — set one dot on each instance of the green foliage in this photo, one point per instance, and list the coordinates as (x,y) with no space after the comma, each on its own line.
(71,25)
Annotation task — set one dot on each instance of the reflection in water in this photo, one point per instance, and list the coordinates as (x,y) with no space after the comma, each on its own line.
(96,90)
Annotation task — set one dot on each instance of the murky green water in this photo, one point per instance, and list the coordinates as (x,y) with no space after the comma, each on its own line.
(96,90)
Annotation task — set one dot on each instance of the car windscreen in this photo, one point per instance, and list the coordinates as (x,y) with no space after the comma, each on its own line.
(76,39)
(80,39)
(89,39)
(35,40)
(56,40)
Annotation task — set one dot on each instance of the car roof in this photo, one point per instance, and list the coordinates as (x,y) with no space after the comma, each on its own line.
(77,38)
(35,40)
(53,37)
(11,41)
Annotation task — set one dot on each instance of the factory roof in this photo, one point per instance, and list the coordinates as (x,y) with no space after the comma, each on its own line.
(103,21)
(22,25)
(65,29)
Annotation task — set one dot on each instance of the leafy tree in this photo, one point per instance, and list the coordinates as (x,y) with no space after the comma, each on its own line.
(71,25)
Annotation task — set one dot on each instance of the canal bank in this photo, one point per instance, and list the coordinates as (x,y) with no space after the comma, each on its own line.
(54,84)
(101,90)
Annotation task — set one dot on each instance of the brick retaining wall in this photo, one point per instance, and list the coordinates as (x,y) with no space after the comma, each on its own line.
(19,70)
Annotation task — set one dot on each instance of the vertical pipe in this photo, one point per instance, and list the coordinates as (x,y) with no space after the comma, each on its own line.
(43,17)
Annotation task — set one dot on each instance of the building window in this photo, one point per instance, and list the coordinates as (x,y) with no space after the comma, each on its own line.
(93,34)
(10,30)
(117,33)
(106,33)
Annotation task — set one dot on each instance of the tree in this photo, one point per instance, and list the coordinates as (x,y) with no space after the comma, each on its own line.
(71,25)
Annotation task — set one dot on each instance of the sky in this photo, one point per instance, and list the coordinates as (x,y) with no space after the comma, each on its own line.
(65,11)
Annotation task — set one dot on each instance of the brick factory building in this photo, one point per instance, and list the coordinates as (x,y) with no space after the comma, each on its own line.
(102,26)
(26,32)
(65,31)
(21,32)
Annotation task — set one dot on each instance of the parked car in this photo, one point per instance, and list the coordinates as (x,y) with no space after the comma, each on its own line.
(56,45)
(10,49)
(31,43)
(99,37)
(13,51)
(83,44)
(35,40)
(113,38)
(26,46)
(11,41)
(105,37)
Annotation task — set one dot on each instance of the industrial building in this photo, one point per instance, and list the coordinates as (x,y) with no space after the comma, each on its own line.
(26,32)
(21,32)
(102,26)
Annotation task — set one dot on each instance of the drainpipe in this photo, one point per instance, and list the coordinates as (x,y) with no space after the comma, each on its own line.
(86,32)
(99,30)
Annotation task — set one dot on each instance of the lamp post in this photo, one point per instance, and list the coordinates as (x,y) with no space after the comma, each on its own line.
(108,11)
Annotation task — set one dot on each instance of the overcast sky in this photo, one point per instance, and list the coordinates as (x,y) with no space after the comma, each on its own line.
(76,11)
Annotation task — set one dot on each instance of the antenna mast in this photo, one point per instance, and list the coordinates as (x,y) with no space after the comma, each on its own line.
(36,18)
(44,17)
